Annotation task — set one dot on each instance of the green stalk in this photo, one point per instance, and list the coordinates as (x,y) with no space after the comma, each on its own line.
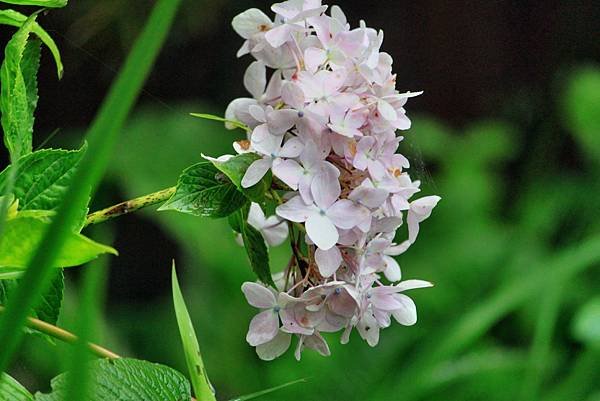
(65,336)
(129,206)
(102,136)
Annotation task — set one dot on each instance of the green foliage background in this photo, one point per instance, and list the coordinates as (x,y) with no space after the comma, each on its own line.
(514,311)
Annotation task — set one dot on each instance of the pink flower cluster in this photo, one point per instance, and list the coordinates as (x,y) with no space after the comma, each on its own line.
(325,124)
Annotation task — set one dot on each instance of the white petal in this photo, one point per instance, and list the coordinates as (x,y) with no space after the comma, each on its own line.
(407,315)
(279,35)
(292,95)
(318,343)
(255,79)
(263,328)
(274,348)
(288,171)
(386,110)
(296,210)
(280,121)
(328,261)
(256,171)
(258,296)
(347,214)
(321,231)
(250,22)
(392,269)
(275,231)
(413,284)
(291,148)
(256,217)
(325,188)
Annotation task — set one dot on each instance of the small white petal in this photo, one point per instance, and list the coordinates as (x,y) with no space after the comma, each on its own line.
(263,328)
(407,314)
(255,79)
(328,261)
(256,171)
(258,296)
(321,231)
(274,348)
(250,22)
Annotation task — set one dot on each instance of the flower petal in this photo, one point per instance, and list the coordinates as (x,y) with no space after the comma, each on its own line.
(258,295)
(256,171)
(328,261)
(250,22)
(406,315)
(392,269)
(263,328)
(288,171)
(296,210)
(292,148)
(347,214)
(280,121)
(325,188)
(255,79)
(274,348)
(321,231)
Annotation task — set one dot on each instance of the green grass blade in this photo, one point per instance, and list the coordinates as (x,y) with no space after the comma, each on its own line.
(267,391)
(101,137)
(193,358)
(41,3)
(89,310)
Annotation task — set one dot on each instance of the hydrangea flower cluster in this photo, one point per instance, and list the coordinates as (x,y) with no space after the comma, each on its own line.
(325,124)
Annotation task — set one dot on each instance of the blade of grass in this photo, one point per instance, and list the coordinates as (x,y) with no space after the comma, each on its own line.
(89,310)
(540,346)
(476,322)
(101,137)
(199,378)
(267,391)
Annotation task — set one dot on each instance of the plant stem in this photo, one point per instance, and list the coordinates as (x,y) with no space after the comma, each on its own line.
(129,206)
(63,335)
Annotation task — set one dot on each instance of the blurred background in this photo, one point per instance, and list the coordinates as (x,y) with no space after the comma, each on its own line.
(507,132)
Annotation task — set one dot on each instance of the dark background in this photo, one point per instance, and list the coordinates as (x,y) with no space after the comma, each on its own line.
(494,75)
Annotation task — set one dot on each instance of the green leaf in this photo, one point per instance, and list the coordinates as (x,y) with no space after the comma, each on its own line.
(101,136)
(15,97)
(22,235)
(126,380)
(42,177)
(15,18)
(586,325)
(581,108)
(236,167)
(255,246)
(49,307)
(42,3)
(11,390)
(202,190)
(193,358)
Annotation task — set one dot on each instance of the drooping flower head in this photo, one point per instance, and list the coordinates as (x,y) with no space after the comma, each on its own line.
(322,117)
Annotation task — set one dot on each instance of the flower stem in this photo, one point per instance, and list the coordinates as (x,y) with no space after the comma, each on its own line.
(63,335)
(129,206)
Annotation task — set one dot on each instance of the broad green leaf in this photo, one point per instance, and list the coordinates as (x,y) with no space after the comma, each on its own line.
(49,307)
(41,3)
(193,358)
(15,97)
(42,177)
(15,18)
(581,104)
(22,235)
(236,167)
(586,324)
(126,380)
(101,136)
(11,390)
(202,190)
(255,246)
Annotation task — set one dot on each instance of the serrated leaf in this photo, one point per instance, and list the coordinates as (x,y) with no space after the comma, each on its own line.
(235,168)
(202,190)
(126,380)
(48,308)
(22,235)
(12,390)
(193,358)
(41,3)
(43,177)
(17,113)
(255,246)
(16,19)
(581,108)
